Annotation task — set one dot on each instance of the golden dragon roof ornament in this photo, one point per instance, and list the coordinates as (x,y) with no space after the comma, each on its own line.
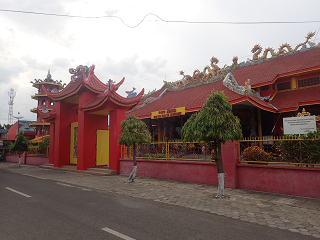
(198,77)
(283,49)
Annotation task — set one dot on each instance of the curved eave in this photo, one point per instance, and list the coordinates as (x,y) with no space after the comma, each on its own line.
(113,97)
(96,102)
(256,104)
(34,110)
(60,95)
(35,97)
(47,116)
(38,85)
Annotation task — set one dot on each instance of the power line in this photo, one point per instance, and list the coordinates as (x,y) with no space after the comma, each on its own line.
(159,19)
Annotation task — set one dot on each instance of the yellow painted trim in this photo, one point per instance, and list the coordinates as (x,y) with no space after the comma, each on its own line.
(293,83)
(73,138)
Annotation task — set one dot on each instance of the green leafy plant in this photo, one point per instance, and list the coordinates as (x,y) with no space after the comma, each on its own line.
(43,146)
(311,148)
(214,123)
(306,150)
(20,145)
(255,153)
(133,132)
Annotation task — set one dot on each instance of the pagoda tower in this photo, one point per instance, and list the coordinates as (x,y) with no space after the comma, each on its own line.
(45,105)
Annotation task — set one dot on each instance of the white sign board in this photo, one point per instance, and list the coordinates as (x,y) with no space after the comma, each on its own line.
(299,125)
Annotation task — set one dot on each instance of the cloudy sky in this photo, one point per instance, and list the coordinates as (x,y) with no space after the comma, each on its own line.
(145,55)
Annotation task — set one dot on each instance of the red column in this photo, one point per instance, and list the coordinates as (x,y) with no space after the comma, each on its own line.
(229,159)
(62,135)
(87,138)
(52,141)
(116,116)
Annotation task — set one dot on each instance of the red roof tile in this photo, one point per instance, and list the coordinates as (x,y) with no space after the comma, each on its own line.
(191,98)
(94,84)
(114,97)
(291,100)
(71,89)
(268,71)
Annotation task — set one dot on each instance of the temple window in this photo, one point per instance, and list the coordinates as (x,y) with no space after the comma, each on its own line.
(283,86)
(265,88)
(308,82)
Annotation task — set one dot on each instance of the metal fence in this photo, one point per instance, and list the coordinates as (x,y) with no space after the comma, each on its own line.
(170,151)
(288,150)
(32,151)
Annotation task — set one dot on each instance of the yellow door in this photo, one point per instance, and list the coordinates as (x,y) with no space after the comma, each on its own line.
(74,143)
(102,147)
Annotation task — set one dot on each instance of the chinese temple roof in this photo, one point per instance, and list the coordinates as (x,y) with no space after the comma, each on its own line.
(192,93)
(268,71)
(82,78)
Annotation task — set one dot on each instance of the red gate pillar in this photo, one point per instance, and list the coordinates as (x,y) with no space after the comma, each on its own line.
(116,116)
(87,138)
(229,159)
(62,135)
(51,144)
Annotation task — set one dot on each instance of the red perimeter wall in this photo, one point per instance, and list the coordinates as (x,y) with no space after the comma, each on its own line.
(28,159)
(291,180)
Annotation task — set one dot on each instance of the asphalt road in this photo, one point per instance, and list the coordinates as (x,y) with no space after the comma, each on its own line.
(33,208)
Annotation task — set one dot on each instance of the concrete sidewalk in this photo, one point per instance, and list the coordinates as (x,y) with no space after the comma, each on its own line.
(296,214)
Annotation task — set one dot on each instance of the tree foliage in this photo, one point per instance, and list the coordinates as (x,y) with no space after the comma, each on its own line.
(134,131)
(215,123)
(21,144)
(6,126)
(44,144)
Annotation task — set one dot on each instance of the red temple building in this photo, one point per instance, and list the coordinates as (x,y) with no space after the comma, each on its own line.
(262,92)
(85,121)
(45,105)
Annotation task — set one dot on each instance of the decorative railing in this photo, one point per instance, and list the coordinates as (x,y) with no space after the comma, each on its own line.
(289,150)
(32,151)
(170,151)
(37,151)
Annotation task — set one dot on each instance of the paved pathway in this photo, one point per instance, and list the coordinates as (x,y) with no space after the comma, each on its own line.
(296,214)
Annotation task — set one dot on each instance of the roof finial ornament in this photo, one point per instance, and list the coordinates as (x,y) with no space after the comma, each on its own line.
(132,93)
(49,75)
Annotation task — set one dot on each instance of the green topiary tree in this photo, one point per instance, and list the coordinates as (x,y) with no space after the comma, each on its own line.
(216,124)
(133,131)
(21,144)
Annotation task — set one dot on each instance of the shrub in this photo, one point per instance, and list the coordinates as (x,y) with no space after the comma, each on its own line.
(254,153)
(305,151)
(43,146)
